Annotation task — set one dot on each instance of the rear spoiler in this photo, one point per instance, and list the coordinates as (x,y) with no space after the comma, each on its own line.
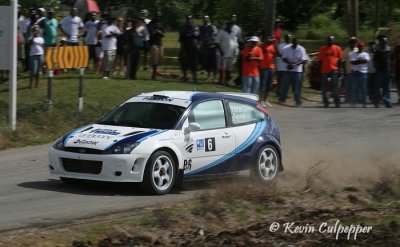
(243,95)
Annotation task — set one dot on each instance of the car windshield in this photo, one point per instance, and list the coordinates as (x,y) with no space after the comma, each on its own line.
(144,115)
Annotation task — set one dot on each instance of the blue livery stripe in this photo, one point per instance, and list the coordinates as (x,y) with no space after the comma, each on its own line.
(74,132)
(258,129)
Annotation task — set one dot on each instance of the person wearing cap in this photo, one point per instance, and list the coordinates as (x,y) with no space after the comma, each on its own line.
(383,63)
(251,57)
(188,53)
(40,13)
(49,26)
(352,47)
(330,59)
(71,26)
(267,67)
(359,60)
(295,57)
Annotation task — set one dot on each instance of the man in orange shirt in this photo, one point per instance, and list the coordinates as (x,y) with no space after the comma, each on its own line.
(330,58)
(267,68)
(251,56)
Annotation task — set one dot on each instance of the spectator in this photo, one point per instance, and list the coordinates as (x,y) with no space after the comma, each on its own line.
(383,65)
(133,53)
(142,40)
(100,28)
(156,30)
(267,67)
(251,57)
(295,57)
(228,39)
(281,66)
(145,48)
(212,49)
(36,53)
(120,58)
(109,46)
(330,58)
(40,15)
(70,26)
(348,66)
(396,54)
(188,54)
(359,60)
(21,39)
(91,40)
(49,26)
(371,70)
(278,31)
(204,38)
(27,28)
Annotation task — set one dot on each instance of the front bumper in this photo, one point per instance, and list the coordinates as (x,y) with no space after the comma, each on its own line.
(110,167)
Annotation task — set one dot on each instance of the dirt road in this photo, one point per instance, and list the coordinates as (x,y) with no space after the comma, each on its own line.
(348,144)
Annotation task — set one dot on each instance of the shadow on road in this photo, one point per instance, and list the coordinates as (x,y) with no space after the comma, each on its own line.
(95,188)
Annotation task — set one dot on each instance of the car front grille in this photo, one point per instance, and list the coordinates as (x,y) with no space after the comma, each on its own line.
(83,150)
(82,166)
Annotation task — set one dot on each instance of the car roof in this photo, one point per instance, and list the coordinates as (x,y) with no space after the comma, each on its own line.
(185,98)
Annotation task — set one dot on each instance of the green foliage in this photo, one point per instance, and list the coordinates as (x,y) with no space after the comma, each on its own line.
(322,26)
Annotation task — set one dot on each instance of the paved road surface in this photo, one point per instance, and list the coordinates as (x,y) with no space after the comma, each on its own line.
(348,140)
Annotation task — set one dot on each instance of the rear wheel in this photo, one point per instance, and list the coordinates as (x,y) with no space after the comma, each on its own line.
(267,164)
(159,175)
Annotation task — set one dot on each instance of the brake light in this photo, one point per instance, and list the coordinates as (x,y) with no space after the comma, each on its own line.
(261,108)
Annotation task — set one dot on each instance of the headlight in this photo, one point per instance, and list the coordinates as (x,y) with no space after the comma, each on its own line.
(123,148)
(59,144)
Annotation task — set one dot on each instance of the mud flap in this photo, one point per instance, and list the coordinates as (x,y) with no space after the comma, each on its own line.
(178,186)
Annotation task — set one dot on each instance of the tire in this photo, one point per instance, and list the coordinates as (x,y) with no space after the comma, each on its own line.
(267,164)
(159,174)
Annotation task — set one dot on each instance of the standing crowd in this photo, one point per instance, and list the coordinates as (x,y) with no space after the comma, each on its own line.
(116,46)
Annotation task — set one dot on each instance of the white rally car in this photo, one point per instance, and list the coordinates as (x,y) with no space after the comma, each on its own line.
(161,138)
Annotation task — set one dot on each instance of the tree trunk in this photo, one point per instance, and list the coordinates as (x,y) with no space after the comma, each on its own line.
(390,11)
(377,15)
(352,17)
(269,21)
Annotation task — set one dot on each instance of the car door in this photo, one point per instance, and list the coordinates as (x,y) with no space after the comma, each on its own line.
(248,123)
(207,145)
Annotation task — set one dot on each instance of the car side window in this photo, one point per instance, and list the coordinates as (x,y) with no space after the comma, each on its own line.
(243,113)
(209,115)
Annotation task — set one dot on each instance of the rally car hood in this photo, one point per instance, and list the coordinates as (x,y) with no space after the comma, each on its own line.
(101,137)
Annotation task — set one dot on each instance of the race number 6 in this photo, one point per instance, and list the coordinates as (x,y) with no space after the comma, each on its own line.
(210,144)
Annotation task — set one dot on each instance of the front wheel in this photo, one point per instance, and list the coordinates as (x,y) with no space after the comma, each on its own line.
(267,164)
(159,174)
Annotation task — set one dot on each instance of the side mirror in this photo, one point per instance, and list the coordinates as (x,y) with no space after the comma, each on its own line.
(192,127)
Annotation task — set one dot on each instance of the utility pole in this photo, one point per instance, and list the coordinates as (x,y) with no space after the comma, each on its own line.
(269,16)
(352,17)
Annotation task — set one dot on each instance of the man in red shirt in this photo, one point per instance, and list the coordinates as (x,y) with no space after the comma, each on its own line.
(330,58)
(396,54)
(267,67)
(251,56)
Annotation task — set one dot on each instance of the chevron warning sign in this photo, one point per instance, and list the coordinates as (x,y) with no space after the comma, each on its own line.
(67,57)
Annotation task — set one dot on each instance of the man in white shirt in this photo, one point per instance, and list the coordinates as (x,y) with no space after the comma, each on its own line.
(109,45)
(295,57)
(70,26)
(91,37)
(280,65)
(228,39)
(359,75)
